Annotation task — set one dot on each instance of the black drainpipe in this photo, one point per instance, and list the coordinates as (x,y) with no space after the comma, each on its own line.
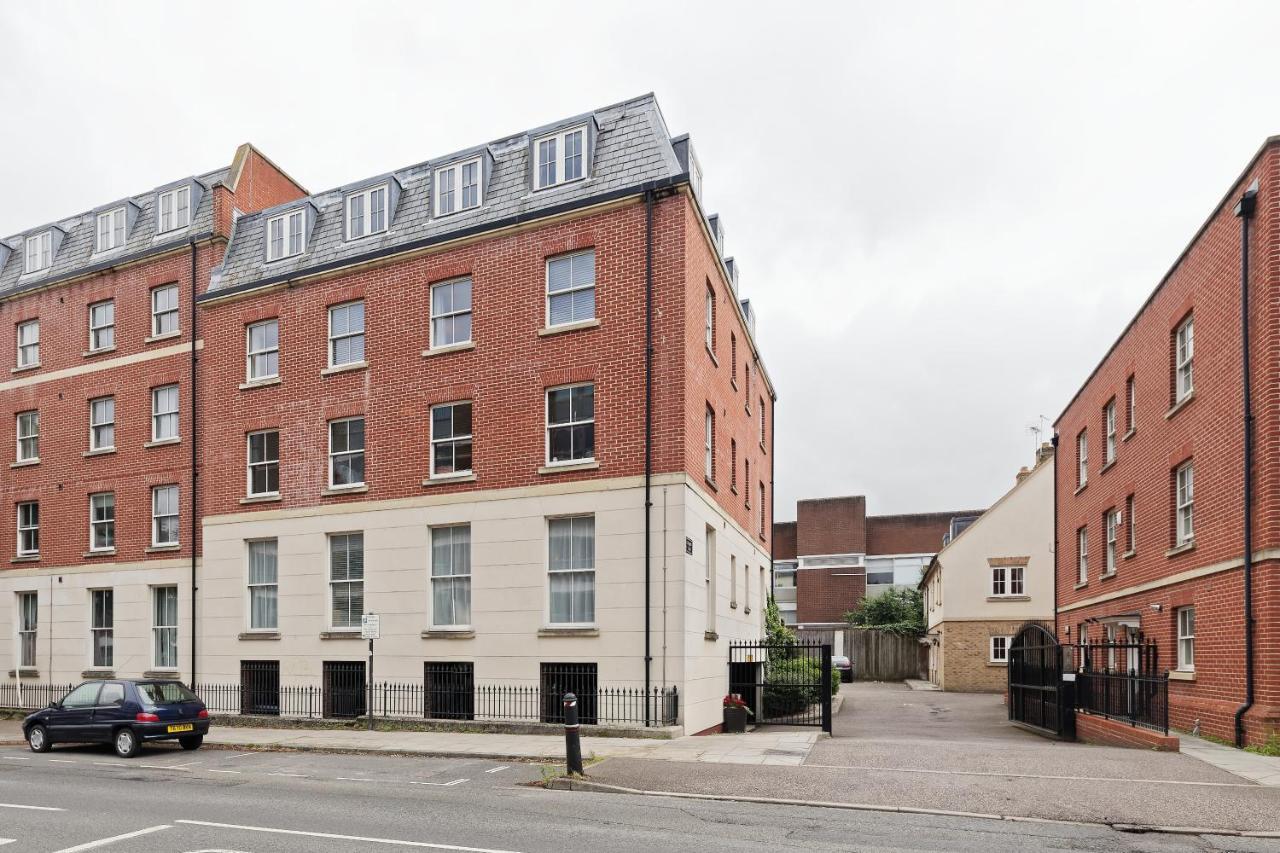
(1056,632)
(1245,210)
(648,440)
(194,512)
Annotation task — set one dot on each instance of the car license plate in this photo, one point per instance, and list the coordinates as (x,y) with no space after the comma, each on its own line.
(181,727)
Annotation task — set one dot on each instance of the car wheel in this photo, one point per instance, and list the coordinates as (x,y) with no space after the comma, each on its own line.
(192,742)
(127,743)
(38,739)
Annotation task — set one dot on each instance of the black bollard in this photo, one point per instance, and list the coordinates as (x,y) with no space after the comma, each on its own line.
(572,744)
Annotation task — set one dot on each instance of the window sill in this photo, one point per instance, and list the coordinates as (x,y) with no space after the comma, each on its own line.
(712,354)
(997,663)
(733,489)
(711,484)
(1129,555)
(446,479)
(1130,434)
(25,463)
(335,491)
(26,558)
(1178,406)
(448,634)
(1107,575)
(162,442)
(341,634)
(567,327)
(167,336)
(101,451)
(258,635)
(25,368)
(562,467)
(96,674)
(448,348)
(1081,585)
(261,499)
(1080,488)
(1181,549)
(105,552)
(1105,468)
(259,383)
(710,635)
(95,352)
(567,631)
(1182,675)
(733,383)
(25,672)
(163,549)
(1008,598)
(344,368)
(167,672)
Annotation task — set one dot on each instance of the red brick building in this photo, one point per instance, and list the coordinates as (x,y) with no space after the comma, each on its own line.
(1150,490)
(834,555)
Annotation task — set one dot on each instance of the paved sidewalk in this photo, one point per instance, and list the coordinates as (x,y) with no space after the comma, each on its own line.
(1262,769)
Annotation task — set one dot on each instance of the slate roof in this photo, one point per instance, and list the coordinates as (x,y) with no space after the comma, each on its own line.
(632,148)
(76,256)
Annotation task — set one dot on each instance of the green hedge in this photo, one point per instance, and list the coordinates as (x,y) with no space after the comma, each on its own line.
(791,685)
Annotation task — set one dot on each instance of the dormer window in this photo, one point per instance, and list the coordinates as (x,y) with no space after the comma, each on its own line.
(560,157)
(111,228)
(175,209)
(286,235)
(458,187)
(39,252)
(366,213)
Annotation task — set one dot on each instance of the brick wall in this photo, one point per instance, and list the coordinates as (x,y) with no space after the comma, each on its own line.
(964,662)
(919,533)
(825,595)
(1100,730)
(1207,430)
(831,526)
(784,540)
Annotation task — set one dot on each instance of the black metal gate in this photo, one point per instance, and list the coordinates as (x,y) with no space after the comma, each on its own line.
(344,689)
(1039,698)
(783,685)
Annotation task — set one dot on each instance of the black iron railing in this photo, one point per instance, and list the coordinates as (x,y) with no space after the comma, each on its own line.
(30,697)
(1123,682)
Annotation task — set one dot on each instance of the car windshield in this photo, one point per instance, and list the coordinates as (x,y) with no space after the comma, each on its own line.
(166,692)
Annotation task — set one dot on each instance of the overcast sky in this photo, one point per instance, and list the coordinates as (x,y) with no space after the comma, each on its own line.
(944,213)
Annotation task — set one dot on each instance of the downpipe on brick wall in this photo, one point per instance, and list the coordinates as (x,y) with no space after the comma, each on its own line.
(1245,210)
(195,518)
(648,449)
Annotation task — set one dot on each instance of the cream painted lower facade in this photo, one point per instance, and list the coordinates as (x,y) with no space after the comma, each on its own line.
(510,633)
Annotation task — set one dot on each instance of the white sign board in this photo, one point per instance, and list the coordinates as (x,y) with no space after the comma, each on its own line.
(369,627)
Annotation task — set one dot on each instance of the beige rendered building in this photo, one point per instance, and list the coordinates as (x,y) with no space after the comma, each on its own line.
(990,580)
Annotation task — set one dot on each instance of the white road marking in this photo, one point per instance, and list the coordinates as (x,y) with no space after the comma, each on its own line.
(29,808)
(243,754)
(4,841)
(400,781)
(333,837)
(103,842)
(18,757)
(60,761)
(159,766)
(211,770)
(110,764)
(440,784)
(290,775)
(498,769)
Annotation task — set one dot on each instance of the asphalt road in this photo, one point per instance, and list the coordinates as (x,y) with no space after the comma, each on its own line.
(165,801)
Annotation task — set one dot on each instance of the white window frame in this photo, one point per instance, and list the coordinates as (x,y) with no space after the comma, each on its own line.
(999,581)
(347,335)
(31,436)
(28,352)
(163,629)
(558,160)
(250,353)
(97,330)
(711,320)
(1003,646)
(161,416)
(1082,554)
(572,289)
(178,215)
(1131,394)
(709,462)
(764,513)
(1112,534)
(456,438)
(253,586)
(115,221)
(106,523)
(28,527)
(1184,359)
(1017,580)
(159,515)
(347,581)
(438,317)
(1082,459)
(1186,639)
(569,423)
(1109,423)
(1184,503)
(289,220)
(95,425)
(101,628)
(363,220)
(1131,530)
(348,453)
(28,629)
(265,463)
(38,252)
(585,570)
(452,579)
(456,194)
(160,315)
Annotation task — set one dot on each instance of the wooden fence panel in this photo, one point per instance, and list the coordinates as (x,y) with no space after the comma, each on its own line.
(876,655)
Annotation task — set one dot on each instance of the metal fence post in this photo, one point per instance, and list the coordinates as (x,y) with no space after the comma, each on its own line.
(572,743)
(826,689)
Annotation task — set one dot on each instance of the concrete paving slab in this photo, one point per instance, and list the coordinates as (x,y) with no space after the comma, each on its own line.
(1263,769)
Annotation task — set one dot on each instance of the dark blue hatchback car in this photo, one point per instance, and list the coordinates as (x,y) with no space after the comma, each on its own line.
(123,713)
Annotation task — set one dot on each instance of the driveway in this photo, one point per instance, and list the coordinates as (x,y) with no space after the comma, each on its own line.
(898,748)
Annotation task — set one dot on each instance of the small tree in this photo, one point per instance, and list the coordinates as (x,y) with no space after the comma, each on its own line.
(776,633)
(896,610)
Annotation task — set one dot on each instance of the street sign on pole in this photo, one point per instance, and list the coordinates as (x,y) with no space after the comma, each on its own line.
(369,627)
